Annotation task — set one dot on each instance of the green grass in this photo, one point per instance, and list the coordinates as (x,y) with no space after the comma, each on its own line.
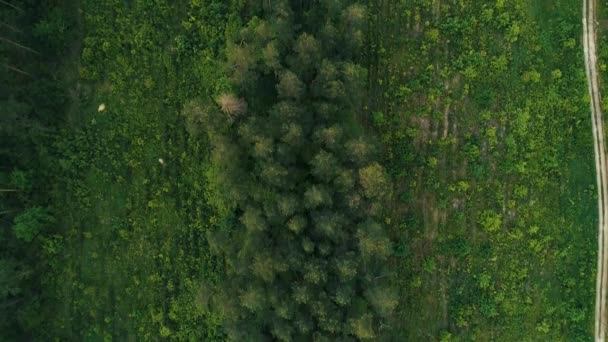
(132,248)
(523,150)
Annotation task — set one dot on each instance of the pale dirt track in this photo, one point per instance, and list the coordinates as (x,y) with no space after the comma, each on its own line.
(599,147)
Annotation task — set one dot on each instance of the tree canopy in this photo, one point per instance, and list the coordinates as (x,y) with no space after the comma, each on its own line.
(307,249)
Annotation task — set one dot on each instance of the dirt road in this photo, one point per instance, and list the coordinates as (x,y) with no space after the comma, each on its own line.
(589,46)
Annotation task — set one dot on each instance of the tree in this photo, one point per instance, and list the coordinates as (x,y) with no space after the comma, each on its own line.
(232,105)
(265,267)
(296,224)
(346,266)
(316,196)
(288,205)
(21,180)
(324,166)
(281,330)
(241,62)
(257,31)
(293,134)
(307,245)
(329,137)
(287,112)
(263,148)
(289,85)
(383,299)
(343,295)
(373,242)
(344,181)
(253,298)
(354,16)
(31,222)
(353,21)
(301,293)
(314,272)
(54,29)
(354,77)
(196,116)
(329,225)
(270,56)
(362,327)
(10,279)
(374,181)
(358,151)
(253,219)
(274,174)
(308,54)
(328,84)
(305,237)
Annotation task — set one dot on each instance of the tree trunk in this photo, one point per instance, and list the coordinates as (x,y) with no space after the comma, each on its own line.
(20,46)
(11,6)
(11,27)
(18,70)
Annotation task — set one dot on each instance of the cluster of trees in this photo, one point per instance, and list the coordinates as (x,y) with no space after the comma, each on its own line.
(31,103)
(298,185)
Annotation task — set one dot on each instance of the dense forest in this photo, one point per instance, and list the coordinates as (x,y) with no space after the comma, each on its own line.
(328,170)
(34,40)
(303,241)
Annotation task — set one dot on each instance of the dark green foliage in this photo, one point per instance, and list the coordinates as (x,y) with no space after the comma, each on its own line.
(56,30)
(304,242)
(30,223)
(32,107)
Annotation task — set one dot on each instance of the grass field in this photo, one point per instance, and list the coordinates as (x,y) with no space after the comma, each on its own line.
(132,250)
(483,111)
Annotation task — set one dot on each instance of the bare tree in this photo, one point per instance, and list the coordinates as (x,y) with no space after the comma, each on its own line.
(17,70)
(232,105)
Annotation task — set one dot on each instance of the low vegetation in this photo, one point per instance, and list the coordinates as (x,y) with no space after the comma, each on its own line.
(485,120)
